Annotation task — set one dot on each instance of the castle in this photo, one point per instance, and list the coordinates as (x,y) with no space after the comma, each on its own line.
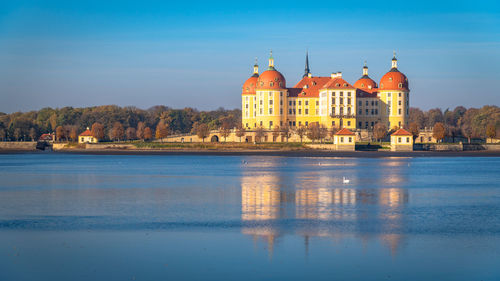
(330,101)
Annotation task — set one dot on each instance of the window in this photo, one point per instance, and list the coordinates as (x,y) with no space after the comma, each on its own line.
(307,123)
(294,103)
(399,102)
(294,111)
(260,101)
(281,84)
(341,111)
(270,124)
(372,103)
(430,139)
(290,103)
(350,139)
(341,100)
(341,139)
(261,123)
(348,100)
(270,94)
(372,111)
(307,102)
(281,93)
(317,103)
(261,111)
(294,123)
(281,102)
(348,123)
(360,103)
(399,95)
(307,111)
(400,85)
(366,124)
(408,140)
(399,124)
(271,84)
(360,112)
(360,124)
(246,105)
(348,111)
(289,111)
(281,111)
(341,94)
(270,111)
(333,100)
(300,102)
(333,123)
(399,139)
(348,94)
(373,124)
(366,103)
(333,94)
(270,102)
(299,123)
(399,111)
(366,111)
(300,111)
(376,102)
(317,111)
(376,111)
(388,94)
(333,110)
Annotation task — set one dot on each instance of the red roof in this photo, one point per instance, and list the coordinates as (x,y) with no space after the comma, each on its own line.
(46,137)
(87,133)
(344,132)
(401,132)
(271,79)
(392,79)
(249,85)
(310,86)
(338,83)
(365,94)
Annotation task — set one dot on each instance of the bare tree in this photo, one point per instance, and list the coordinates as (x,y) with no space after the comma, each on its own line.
(140,130)
(33,134)
(301,131)
(276,133)
(332,132)
(240,132)
(117,132)
(313,131)
(439,131)
(259,134)
(323,132)
(131,133)
(201,130)
(286,132)
(414,129)
(379,131)
(225,130)
(97,131)
(2,134)
(60,133)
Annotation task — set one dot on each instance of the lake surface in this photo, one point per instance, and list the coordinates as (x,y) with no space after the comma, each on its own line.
(102,217)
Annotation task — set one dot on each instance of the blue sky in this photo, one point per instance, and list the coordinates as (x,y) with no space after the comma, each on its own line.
(198,54)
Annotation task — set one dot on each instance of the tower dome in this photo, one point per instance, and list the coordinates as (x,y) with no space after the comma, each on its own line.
(394,79)
(365,82)
(251,83)
(271,78)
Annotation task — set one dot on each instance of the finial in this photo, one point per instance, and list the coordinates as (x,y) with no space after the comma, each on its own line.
(364,64)
(271,56)
(394,54)
(256,61)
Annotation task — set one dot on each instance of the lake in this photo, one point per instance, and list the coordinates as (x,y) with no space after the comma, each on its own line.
(139,217)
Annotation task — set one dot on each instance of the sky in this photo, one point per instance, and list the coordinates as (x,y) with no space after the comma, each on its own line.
(198,54)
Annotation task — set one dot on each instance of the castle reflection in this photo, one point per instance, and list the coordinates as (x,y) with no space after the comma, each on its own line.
(315,204)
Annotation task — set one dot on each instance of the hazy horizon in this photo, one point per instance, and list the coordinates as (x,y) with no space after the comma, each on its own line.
(58,53)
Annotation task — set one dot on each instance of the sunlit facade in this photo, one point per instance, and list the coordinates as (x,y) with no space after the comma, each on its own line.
(331,101)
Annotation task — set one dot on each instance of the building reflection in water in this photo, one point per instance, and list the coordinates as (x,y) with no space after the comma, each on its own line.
(320,206)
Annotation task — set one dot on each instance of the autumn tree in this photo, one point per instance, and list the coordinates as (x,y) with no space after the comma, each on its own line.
(301,131)
(97,131)
(73,133)
(259,134)
(201,130)
(379,131)
(33,134)
(60,133)
(148,134)
(225,129)
(439,131)
(323,132)
(276,133)
(117,132)
(140,130)
(17,134)
(333,130)
(285,132)
(491,131)
(130,133)
(240,132)
(414,129)
(312,131)
(2,134)
(161,130)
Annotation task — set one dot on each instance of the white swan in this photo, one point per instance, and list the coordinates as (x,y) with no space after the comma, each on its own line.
(345,181)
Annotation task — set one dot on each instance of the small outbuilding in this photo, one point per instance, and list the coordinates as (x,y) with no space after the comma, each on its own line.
(344,140)
(401,140)
(87,137)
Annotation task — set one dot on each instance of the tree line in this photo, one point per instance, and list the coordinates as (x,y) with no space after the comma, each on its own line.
(111,122)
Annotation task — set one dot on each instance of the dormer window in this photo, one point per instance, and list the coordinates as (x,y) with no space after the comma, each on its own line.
(362,85)
(382,85)
(337,85)
(271,84)
(314,83)
(390,78)
(306,86)
(345,84)
(276,79)
(400,85)
(261,84)
(281,85)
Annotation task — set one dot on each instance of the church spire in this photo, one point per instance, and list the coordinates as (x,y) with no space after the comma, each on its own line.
(307,71)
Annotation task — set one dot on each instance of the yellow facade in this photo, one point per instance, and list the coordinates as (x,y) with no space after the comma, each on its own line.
(395,108)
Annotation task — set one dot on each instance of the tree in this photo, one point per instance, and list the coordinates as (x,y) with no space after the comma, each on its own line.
(140,130)
(161,130)
(379,131)
(491,131)
(53,121)
(201,130)
(332,132)
(148,134)
(225,130)
(276,133)
(286,132)
(73,133)
(117,132)
(323,132)
(240,132)
(98,131)
(439,131)
(33,134)
(414,129)
(300,131)
(2,134)
(417,116)
(313,131)
(60,133)
(259,134)
(130,133)
(17,134)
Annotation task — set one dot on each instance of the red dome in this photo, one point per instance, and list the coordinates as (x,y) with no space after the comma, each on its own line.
(249,85)
(394,80)
(271,79)
(365,83)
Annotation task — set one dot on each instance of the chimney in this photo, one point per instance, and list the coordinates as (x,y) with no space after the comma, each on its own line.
(309,75)
(333,75)
(339,74)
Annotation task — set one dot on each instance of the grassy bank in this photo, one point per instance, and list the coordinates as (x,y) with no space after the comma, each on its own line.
(218,146)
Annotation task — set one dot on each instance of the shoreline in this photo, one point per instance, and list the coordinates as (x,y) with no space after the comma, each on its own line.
(282,153)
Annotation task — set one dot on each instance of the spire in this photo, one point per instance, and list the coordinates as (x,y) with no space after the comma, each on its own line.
(365,70)
(255,68)
(307,71)
(271,61)
(394,61)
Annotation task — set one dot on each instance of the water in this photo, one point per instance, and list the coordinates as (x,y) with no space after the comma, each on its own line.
(87,217)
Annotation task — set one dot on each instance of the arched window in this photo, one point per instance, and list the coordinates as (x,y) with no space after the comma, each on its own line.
(400,85)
